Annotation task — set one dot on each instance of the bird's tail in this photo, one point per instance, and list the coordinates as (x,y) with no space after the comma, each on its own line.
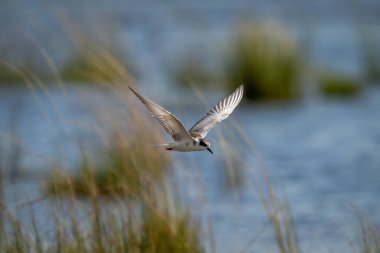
(161,145)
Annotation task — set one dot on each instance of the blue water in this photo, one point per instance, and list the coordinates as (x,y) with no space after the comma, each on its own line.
(323,153)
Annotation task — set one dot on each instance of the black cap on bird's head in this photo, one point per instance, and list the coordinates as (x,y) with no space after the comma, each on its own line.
(206,144)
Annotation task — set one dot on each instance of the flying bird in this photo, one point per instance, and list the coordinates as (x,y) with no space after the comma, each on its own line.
(194,138)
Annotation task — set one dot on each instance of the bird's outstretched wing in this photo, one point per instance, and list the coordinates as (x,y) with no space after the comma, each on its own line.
(168,121)
(217,113)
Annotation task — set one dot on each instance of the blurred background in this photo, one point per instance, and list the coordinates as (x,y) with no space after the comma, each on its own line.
(295,169)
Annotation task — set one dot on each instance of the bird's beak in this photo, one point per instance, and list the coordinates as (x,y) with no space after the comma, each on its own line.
(210,150)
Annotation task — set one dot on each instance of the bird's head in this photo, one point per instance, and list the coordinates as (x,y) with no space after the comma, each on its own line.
(204,143)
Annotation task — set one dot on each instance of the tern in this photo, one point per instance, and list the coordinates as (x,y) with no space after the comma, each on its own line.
(194,139)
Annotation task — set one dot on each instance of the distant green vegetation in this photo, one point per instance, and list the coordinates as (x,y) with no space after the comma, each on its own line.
(339,85)
(78,69)
(91,63)
(11,75)
(264,58)
(192,70)
(96,65)
(8,76)
(370,49)
(372,70)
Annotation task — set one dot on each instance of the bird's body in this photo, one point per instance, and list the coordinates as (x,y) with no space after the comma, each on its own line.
(184,146)
(194,139)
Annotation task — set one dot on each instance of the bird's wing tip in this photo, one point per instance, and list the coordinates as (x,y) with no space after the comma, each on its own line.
(135,92)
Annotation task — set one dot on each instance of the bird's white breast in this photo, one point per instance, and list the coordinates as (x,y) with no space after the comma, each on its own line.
(186,146)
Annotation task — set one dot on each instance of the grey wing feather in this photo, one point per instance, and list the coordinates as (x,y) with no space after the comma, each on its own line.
(168,121)
(217,113)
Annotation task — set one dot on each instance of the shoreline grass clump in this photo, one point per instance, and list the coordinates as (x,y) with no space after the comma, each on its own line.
(339,86)
(170,233)
(150,225)
(264,58)
(126,166)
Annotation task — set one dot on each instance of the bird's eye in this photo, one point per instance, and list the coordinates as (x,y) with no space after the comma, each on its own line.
(202,143)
